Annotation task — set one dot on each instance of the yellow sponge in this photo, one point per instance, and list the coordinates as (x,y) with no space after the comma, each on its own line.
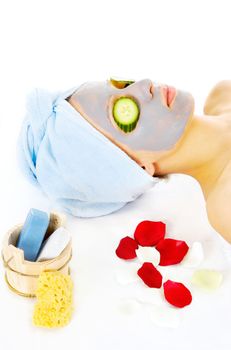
(55,299)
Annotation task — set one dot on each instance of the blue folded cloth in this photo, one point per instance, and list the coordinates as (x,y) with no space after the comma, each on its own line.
(73,163)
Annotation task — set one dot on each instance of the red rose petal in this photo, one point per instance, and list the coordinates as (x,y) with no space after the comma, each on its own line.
(171,251)
(149,233)
(150,275)
(127,248)
(177,294)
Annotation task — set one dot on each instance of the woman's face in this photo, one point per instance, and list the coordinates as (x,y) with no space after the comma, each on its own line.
(163,112)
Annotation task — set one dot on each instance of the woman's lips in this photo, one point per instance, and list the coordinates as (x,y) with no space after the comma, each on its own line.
(169,93)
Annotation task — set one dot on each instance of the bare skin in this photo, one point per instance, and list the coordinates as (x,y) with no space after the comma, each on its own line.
(203,152)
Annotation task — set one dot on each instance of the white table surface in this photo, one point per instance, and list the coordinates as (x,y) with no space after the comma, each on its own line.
(98,321)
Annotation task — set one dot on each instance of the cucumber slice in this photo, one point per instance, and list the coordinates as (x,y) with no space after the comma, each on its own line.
(121,83)
(126,113)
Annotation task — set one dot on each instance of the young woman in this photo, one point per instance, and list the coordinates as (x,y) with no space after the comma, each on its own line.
(202,151)
(99,146)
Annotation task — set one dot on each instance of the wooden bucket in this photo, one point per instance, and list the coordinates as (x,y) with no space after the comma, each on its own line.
(22,275)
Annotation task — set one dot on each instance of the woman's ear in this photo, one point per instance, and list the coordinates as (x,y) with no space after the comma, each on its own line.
(149,167)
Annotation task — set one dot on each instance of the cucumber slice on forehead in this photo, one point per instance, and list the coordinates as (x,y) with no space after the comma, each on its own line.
(126,113)
(121,83)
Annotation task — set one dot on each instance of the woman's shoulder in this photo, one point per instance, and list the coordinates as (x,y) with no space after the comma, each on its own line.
(218,205)
(218,100)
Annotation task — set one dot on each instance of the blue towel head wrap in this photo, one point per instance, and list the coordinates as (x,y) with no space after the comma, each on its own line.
(82,170)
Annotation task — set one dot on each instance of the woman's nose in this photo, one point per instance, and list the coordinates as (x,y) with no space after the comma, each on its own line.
(143,89)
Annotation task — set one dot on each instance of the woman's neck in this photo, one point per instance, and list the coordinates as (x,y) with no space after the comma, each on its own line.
(203,152)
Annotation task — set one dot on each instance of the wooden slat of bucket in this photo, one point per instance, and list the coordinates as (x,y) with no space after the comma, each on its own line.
(28,284)
(15,261)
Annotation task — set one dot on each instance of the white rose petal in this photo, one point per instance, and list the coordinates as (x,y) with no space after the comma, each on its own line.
(194,257)
(148,254)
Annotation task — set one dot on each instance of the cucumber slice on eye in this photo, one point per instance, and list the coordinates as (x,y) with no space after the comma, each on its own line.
(126,113)
(121,83)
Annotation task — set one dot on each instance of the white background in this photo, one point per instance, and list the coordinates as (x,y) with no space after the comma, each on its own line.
(59,44)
